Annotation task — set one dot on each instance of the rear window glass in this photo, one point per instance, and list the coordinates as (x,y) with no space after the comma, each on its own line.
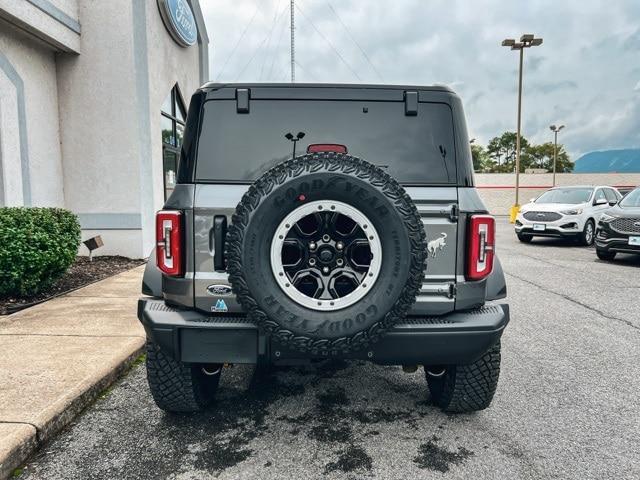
(240,147)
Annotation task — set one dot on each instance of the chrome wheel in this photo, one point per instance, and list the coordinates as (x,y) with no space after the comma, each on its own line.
(326,255)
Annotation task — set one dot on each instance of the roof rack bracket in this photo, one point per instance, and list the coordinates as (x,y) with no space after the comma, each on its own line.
(410,103)
(242,100)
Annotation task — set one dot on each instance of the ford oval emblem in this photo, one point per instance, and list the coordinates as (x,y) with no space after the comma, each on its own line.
(179,20)
(219,290)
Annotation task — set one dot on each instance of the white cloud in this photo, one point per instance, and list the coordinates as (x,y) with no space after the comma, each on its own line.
(584,75)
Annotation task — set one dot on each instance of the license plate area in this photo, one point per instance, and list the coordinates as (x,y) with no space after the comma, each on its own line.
(539,227)
(634,241)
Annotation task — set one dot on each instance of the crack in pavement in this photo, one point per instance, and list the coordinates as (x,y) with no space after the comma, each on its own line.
(576,302)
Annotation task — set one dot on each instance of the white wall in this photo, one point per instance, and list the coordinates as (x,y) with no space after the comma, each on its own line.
(55,22)
(498,192)
(110,101)
(34,67)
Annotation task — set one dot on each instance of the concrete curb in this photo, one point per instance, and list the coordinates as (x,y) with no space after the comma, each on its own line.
(25,438)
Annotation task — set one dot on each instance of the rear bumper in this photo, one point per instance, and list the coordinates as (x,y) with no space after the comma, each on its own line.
(191,336)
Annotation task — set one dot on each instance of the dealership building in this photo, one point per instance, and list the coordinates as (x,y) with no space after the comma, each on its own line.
(93,98)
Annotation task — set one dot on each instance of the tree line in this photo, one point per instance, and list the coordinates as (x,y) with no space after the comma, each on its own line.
(499,156)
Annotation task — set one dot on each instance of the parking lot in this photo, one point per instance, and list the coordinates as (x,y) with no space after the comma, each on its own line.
(566,406)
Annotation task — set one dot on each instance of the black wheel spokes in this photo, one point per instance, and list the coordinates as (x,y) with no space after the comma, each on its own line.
(326,255)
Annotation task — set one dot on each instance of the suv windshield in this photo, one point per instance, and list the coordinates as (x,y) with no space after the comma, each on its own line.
(632,199)
(565,195)
(240,147)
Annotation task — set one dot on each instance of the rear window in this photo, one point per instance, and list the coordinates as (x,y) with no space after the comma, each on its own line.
(236,147)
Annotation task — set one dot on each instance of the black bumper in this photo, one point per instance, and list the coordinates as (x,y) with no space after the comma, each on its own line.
(618,245)
(552,232)
(191,336)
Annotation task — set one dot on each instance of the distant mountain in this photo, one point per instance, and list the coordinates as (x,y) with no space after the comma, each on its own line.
(607,161)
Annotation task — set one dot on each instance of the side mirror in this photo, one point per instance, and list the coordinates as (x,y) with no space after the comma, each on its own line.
(532,200)
(601,201)
(613,203)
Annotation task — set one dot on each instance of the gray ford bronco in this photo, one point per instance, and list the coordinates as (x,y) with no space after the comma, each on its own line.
(324,221)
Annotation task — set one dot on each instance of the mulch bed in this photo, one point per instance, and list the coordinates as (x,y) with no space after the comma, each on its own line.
(81,273)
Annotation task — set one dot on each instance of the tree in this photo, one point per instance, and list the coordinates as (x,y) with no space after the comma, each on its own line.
(500,155)
(479,156)
(502,150)
(542,157)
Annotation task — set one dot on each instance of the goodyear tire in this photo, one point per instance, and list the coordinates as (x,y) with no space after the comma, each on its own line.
(467,388)
(178,387)
(326,252)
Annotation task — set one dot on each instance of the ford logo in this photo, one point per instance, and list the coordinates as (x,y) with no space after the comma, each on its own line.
(219,290)
(637,224)
(540,215)
(179,20)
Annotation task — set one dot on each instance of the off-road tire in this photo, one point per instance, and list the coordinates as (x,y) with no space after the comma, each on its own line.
(177,386)
(605,255)
(292,173)
(467,388)
(583,236)
(524,237)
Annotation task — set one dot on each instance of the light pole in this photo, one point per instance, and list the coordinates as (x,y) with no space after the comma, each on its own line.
(527,40)
(555,131)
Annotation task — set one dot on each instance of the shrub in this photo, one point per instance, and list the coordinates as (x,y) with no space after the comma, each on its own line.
(37,245)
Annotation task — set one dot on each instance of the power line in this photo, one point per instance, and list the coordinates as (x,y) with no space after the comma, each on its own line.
(257,50)
(273,25)
(233,50)
(275,55)
(364,54)
(328,43)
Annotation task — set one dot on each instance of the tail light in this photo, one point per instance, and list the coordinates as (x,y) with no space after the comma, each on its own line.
(481,245)
(169,243)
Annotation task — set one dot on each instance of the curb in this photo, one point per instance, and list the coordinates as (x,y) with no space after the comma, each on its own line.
(25,443)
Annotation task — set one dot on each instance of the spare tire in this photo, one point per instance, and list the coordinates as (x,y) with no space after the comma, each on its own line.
(326,252)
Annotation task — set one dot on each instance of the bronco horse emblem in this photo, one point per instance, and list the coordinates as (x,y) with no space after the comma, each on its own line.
(436,245)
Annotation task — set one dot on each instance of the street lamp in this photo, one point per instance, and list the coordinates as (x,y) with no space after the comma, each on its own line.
(527,40)
(555,131)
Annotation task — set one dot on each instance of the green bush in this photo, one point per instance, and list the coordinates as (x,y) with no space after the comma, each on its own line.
(37,245)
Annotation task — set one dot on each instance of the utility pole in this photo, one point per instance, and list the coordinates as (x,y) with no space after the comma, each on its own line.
(555,130)
(293,44)
(526,41)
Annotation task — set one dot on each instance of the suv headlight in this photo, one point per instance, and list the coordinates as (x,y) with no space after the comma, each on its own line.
(605,217)
(573,211)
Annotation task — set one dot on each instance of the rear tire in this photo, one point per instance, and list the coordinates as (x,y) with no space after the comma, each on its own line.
(524,238)
(177,386)
(467,388)
(605,255)
(588,233)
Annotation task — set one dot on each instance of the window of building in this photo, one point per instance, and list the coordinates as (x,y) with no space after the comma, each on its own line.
(172,124)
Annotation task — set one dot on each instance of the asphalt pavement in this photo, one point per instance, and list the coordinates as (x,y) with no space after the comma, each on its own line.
(567,404)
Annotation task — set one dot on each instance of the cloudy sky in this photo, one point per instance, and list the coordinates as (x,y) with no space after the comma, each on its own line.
(585,75)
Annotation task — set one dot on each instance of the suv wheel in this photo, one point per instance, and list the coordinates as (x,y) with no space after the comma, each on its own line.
(605,255)
(177,386)
(465,388)
(588,233)
(524,238)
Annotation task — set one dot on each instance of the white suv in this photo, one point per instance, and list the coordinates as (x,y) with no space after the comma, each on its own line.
(565,212)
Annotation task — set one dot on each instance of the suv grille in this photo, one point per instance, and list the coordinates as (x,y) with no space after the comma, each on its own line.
(626,225)
(542,216)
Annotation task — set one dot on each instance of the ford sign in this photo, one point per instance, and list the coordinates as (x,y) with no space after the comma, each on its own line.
(179,20)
